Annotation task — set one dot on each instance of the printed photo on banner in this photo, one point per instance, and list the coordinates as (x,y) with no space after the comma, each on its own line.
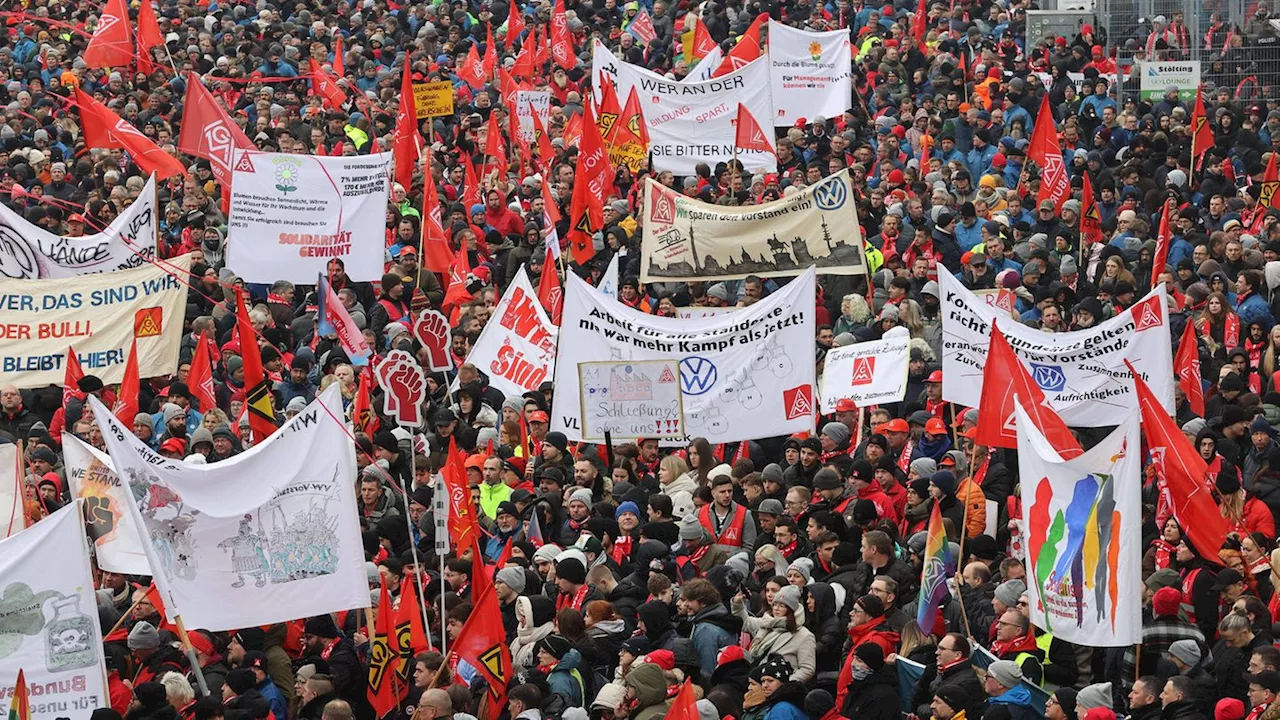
(51,630)
(117,546)
(687,239)
(693,122)
(29,252)
(264,537)
(292,214)
(99,316)
(1082,373)
(631,399)
(810,73)
(869,373)
(1083,516)
(517,347)
(743,375)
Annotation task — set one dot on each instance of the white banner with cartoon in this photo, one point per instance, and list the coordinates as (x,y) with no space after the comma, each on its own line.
(292,214)
(1083,517)
(744,375)
(810,73)
(687,239)
(49,619)
(867,373)
(30,252)
(630,399)
(267,536)
(117,546)
(517,347)
(1082,373)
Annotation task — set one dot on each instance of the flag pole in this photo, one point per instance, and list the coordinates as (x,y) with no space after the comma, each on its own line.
(413,546)
(191,655)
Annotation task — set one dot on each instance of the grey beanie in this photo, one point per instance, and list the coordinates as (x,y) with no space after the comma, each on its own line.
(691,529)
(1068,265)
(931,288)
(1006,672)
(845,339)
(772,471)
(1097,695)
(512,577)
(924,467)
(837,431)
(1009,591)
(789,596)
(1188,651)
(1194,426)
(143,636)
(804,566)
(168,410)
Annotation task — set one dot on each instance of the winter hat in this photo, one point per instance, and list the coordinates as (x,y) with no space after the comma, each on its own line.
(772,471)
(1164,578)
(804,566)
(1009,591)
(143,636)
(789,596)
(150,694)
(638,645)
(1228,709)
(871,654)
(1166,601)
(555,645)
(1188,651)
(1067,700)
(920,486)
(777,667)
(547,553)
(953,695)
(626,507)
(730,653)
(818,703)
(582,495)
(320,626)
(241,680)
(1068,265)
(827,478)
(1100,714)
(925,468)
(1006,672)
(1097,695)
(169,410)
(573,570)
(871,605)
(945,481)
(512,577)
(691,529)
(707,710)
(558,441)
(837,431)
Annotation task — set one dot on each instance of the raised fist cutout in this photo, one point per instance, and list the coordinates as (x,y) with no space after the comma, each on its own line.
(404,386)
(432,330)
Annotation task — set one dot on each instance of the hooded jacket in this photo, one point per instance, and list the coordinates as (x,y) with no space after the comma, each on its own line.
(874,697)
(565,679)
(713,628)
(681,492)
(771,637)
(826,624)
(633,590)
(657,625)
(649,685)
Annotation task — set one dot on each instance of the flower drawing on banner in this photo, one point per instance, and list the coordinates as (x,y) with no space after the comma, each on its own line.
(287,175)
(815,51)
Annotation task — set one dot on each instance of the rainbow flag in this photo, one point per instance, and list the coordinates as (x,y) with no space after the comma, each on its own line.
(20,706)
(938,566)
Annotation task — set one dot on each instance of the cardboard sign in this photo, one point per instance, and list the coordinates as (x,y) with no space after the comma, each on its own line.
(631,400)
(433,99)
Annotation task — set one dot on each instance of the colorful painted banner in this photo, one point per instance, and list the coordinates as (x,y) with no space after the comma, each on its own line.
(117,546)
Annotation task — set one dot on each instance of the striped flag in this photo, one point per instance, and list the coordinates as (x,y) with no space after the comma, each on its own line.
(938,566)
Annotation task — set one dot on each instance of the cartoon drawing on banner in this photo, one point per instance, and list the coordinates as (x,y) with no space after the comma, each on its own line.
(168,523)
(246,554)
(68,635)
(774,357)
(21,615)
(743,390)
(291,549)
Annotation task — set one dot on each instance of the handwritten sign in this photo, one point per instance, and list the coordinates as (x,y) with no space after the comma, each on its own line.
(527,103)
(433,99)
(631,399)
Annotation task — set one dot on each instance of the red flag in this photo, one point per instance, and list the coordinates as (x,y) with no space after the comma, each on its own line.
(572,132)
(1183,475)
(472,70)
(323,85)
(919,22)
(471,184)
(20,705)
(71,377)
(743,53)
(462,518)
(1046,154)
(362,416)
(631,125)
(561,39)
(383,654)
(524,59)
(481,574)
(435,242)
(1270,198)
(609,110)
(593,159)
(483,644)
(1090,220)
(685,705)
(411,638)
(496,148)
(112,41)
(549,291)
(257,393)
(339,66)
(208,132)
(545,150)
(404,144)
(747,133)
(149,34)
(1187,364)
(200,377)
(515,25)
(1164,238)
(542,49)
(490,62)
(126,408)
(641,27)
(456,294)
(702,42)
(549,203)
(104,129)
(1003,377)
(1201,134)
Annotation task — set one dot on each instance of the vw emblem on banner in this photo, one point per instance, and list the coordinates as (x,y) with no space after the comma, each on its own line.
(697,375)
(831,194)
(1049,377)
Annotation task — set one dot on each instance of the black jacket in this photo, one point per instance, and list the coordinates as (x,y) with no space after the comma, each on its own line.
(1182,710)
(875,697)
(314,710)
(959,675)
(633,590)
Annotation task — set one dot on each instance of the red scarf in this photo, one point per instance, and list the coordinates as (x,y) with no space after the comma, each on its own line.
(696,555)
(788,549)
(1164,553)
(328,649)
(563,600)
(1231,329)
(904,457)
(621,548)
(1022,643)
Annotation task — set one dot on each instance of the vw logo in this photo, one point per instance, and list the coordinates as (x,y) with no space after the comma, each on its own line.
(832,194)
(1049,377)
(697,375)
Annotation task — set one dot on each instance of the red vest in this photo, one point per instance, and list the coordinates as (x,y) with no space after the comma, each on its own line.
(1188,602)
(732,534)
(396,313)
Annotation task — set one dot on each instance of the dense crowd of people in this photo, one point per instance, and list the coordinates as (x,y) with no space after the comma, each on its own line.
(780,575)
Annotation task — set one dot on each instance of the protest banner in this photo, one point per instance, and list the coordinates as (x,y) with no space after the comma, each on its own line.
(868,373)
(517,347)
(1001,298)
(744,375)
(433,99)
(692,122)
(117,546)
(700,311)
(1084,570)
(51,629)
(30,252)
(631,399)
(687,239)
(1082,373)
(13,517)
(292,214)
(529,102)
(267,536)
(100,316)
(810,73)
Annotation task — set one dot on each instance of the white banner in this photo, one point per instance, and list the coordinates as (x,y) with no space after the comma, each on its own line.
(745,375)
(517,347)
(868,373)
(810,74)
(529,102)
(705,68)
(1082,373)
(631,399)
(30,252)
(51,629)
(13,517)
(687,239)
(270,535)
(1083,518)
(108,522)
(99,316)
(291,214)
(692,122)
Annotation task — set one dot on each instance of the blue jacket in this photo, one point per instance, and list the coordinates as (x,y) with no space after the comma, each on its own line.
(979,161)
(710,635)
(1018,700)
(1254,308)
(785,711)
(566,681)
(967,237)
(274,697)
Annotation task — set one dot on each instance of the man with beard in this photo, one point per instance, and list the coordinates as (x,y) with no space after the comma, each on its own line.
(810,460)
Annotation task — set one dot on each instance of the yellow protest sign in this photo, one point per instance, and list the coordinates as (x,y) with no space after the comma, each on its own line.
(433,99)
